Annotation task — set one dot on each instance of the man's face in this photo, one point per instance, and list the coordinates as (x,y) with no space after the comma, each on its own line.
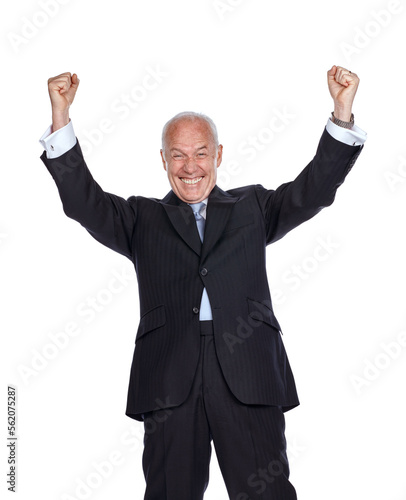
(191,159)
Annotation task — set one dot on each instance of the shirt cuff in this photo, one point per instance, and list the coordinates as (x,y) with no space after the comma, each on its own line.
(59,142)
(354,136)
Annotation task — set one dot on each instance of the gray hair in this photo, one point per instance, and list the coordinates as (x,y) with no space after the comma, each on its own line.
(190,115)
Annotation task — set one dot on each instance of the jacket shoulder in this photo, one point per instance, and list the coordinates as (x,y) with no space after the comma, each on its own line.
(253,190)
(143,201)
(245,190)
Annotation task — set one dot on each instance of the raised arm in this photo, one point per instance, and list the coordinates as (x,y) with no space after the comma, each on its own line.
(315,187)
(110,219)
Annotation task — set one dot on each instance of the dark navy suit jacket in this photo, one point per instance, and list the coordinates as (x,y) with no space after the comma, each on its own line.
(160,237)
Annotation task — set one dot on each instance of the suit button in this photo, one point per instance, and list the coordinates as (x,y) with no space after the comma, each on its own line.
(203,271)
(196,310)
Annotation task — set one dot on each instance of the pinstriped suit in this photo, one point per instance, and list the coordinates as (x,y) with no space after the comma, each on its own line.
(226,380)
(173,267)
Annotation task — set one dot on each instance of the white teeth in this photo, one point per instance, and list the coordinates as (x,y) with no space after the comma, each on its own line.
(191,181)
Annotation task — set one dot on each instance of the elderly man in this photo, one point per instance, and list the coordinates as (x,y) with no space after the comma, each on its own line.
(209,362)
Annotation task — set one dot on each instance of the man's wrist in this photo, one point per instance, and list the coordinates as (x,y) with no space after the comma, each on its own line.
(59,119)
(342,113)
(348,123)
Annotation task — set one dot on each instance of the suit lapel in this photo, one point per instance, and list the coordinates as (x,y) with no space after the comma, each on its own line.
(181,216)
(219,209)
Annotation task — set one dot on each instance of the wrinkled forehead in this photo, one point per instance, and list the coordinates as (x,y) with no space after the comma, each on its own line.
(189,134)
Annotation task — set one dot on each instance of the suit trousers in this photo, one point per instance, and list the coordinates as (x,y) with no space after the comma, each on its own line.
(249,440)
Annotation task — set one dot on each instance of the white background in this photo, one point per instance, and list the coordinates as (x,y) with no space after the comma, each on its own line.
(238,61)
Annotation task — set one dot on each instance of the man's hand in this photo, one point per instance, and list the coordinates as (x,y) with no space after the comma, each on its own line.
(342,85)
(62,90)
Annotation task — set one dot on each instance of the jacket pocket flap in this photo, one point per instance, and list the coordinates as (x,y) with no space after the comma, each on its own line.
(258,311)
(152,319)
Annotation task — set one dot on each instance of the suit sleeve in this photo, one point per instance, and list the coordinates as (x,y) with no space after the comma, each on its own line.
(110,219)
(314,188)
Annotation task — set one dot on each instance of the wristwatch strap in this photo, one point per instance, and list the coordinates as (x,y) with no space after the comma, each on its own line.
(341,123)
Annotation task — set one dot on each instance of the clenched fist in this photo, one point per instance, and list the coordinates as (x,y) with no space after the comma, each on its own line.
(62,90)
(343,85)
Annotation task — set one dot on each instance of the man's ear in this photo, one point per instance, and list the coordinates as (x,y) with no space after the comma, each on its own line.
(163,159)
(219,154)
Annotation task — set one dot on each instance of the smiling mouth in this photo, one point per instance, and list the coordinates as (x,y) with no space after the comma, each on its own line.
(191,181)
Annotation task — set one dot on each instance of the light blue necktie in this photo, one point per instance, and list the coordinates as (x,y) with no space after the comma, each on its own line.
(205,308)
